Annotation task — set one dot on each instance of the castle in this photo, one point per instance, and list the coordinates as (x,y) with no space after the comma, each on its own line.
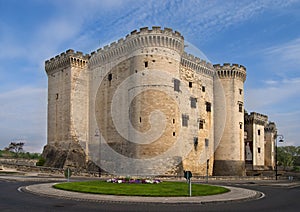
(143,106)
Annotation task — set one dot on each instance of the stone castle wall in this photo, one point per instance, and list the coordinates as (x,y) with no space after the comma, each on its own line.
(172,99)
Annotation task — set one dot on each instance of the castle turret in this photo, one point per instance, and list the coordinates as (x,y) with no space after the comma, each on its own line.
(229,149)
(270,135)
(64,72)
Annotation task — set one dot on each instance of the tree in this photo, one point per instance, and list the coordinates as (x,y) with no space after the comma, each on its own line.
(287,155)
(15,147)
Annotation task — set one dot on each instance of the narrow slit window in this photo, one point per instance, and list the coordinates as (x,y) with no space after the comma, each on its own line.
(201,124)
(173,133)
(176,85)
(206,142)
(56,96)
(208,106)
(195,143)
(258,132)
(240,107)
(109,77)
(203,88)
(190,84)
(146,64)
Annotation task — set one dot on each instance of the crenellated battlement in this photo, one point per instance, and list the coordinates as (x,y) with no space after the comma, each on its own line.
(271,128)
(145,37)
(67,59)
(256,118)
(197,64)
(156,30)
(228,70)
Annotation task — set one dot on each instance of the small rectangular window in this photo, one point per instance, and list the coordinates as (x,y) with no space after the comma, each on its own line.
(190,84)
(173,121)
(185,119)
(176,85)
(56,96)
(258,149)
(193,102)
(146,64)
(258,132)
(208,106)
(203,88)
(241,91)
(173,133)
(241,125)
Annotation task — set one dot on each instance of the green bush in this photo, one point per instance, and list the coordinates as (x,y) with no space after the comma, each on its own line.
(40,162)
(296,168)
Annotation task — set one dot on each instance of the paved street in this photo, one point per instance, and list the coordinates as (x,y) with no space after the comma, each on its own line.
(279,196)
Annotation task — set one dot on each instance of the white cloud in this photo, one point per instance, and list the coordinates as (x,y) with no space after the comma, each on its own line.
(288,124)
(281,100)
(23,116)
(287,54)
(275,91)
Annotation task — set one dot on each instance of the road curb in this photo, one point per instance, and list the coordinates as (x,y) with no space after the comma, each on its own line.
(235,194)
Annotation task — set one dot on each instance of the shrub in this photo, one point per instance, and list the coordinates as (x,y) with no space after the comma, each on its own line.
(40,162)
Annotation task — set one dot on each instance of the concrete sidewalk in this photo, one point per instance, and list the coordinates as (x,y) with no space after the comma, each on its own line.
(235,194)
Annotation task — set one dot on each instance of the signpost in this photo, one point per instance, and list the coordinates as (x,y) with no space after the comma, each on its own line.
(68,173)
(188,175)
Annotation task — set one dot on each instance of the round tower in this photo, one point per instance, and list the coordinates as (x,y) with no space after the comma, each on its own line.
(134,93)
(229,150)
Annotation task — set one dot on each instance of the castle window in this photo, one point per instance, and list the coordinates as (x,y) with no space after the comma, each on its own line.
(195,142)
(258,149)
(109,77)
(258,132)
(241,91)
(140,119)
(193,102)
(203,88)
(201,124)
(56,96)
(190,84)
(146,64)
(173,133)
(240,107)
(173,121)
(185,119)
(206,142)
(176,85)
(241,125)
(208,106)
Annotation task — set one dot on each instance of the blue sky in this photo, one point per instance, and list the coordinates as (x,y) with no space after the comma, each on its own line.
(264,36)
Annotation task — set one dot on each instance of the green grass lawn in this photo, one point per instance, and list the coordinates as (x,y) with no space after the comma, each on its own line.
(164,189)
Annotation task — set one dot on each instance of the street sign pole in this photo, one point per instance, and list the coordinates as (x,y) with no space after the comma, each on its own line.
(188,175)
(190,187)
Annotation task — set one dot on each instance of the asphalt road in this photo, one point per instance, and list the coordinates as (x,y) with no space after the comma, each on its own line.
(277,199)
